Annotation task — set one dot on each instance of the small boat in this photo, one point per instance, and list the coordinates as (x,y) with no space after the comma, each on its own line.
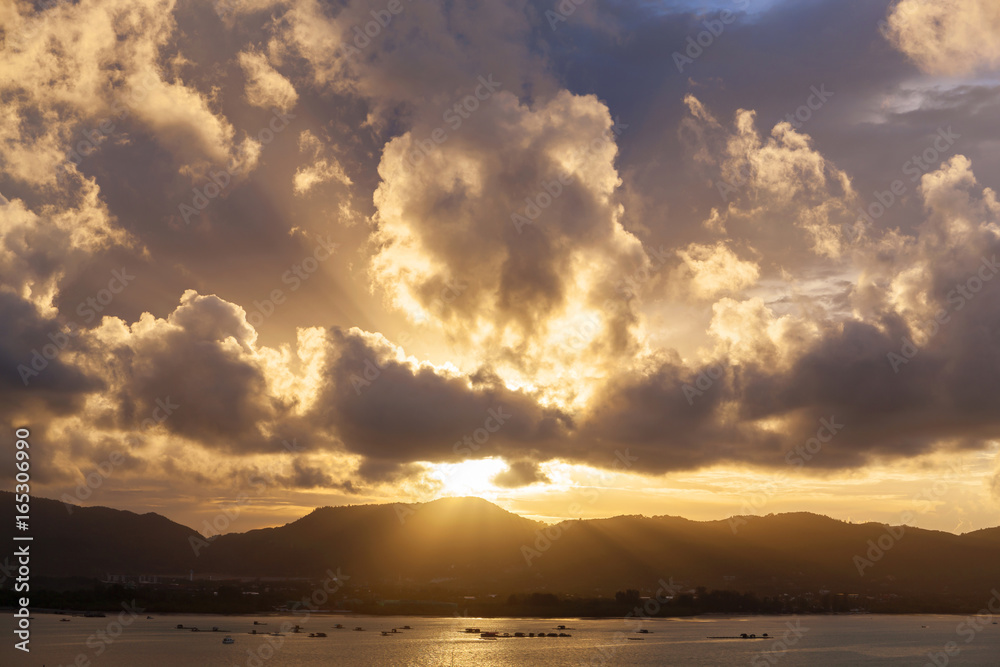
(259,623)
(563,634)
(193,629)
(406,627)
(228,640)
(518,634)
(473,631)
(531,634)
(552,634)
(149,618)
(276,634)
(489,635)
(359,629)
(642,631)
(560,627)
(339,626)
(317,634)
(385,633)
(64,620)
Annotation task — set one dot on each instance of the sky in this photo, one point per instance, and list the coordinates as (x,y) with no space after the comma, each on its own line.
(579,258)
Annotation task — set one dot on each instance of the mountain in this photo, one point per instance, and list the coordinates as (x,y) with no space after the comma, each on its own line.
(472,545)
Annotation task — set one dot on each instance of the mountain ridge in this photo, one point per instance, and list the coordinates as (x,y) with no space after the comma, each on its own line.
(473,544)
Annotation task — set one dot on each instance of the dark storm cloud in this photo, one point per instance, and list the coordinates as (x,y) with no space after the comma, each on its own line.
(390,411)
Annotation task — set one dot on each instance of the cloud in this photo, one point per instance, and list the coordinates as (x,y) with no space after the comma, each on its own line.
(947,37)
(507,236)
(265,87)
(771,186)
(75,67)
(713,270)
(520,473)
(321,170)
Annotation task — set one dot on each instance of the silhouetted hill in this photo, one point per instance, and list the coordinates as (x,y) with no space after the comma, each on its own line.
(93,541)
(471,544)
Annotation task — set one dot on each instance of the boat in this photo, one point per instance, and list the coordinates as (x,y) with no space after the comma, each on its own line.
(385,633)
(228,640)
(518,634)
(642,631)
(489,635)
(406,627)
(359,629)
(473,631)
(193,629)
(149,618)
(317,634)
(64,620)
(259,623)
(339,626)
(560,627)
(564,634)
(552,634)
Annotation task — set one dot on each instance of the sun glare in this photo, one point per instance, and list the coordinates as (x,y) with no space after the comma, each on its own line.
(468,478)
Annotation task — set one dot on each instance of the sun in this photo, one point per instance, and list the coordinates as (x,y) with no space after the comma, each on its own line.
(468,478)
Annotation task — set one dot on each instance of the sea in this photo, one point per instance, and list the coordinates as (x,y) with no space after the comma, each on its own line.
(134,640)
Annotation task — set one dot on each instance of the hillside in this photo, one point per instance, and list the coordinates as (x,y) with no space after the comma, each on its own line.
(471,544)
